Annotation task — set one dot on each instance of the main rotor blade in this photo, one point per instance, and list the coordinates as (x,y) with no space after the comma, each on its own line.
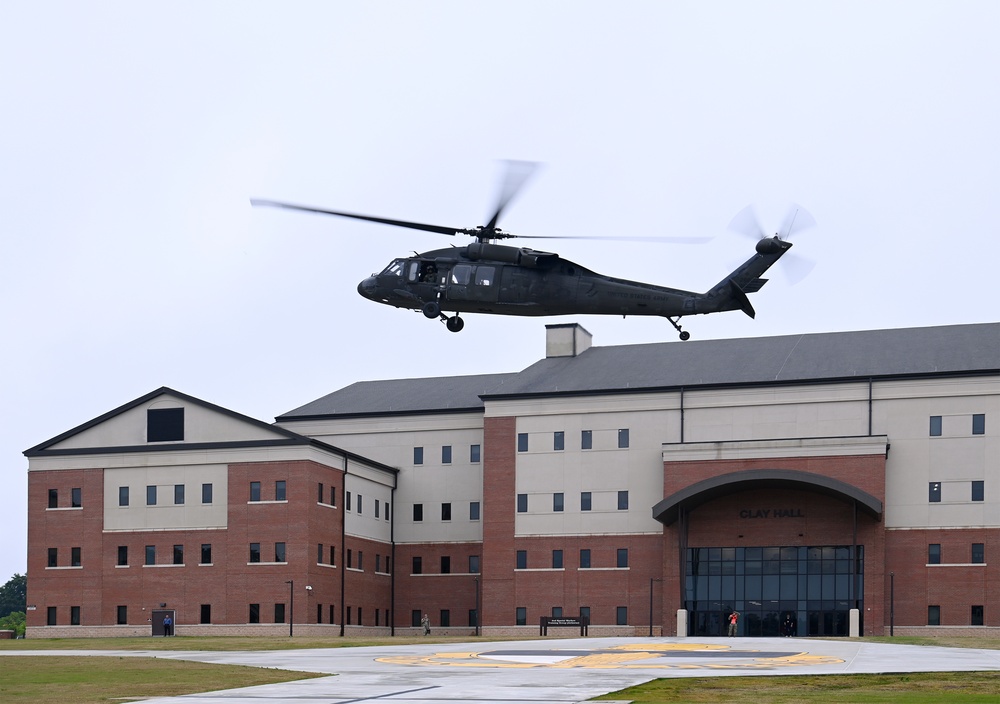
(385,221)
(516,175)
(623,238)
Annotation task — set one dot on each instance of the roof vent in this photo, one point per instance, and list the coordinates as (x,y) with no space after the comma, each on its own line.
(566,340)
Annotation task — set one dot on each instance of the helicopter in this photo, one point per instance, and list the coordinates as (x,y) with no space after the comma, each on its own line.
(496,279)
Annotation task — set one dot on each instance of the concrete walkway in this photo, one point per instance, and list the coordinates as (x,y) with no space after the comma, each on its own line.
(564,671)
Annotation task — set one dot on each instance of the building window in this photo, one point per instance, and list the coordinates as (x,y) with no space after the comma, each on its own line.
(376,508)
(445,564)
(378,565)
(151,496)
(164,424)
(50,617)
(255,491)
(585,613)
(123,555)
(522,560)
(978,553)
(333,555)
(74,615)
(206,493)
(254,552)
(360,505)
(475,454)
(361,564)
(557,612)
(978,490)
(473,564)
(279,613)
(418,513)
(559,440)
(206,613)
(53,498)
(333,496)
(522,442)
(623,437)
(934,554)
(585,558)
(279,490)
(415,618)
(622,557)
(123,496)
(53,557)
(622,500)
(319,554)
(446,454)
(75,557)
(978,423)
(473,618)
(445,617)
(206,553)
(76,498)
(934,615)
(254,613)
(935,426)
(122,616)
(319,494)
(347,501)
(557,502)
(446,512)
(934,492)
(418,455)
(586,439)
(150,555)
(473,510)
(178,493)
(621,616)
(418,565)
(387,510)
(520,616)
(522,503)
(585,501)
(557,559)
(178,554)
(350,558)
(279,552)
(977,616)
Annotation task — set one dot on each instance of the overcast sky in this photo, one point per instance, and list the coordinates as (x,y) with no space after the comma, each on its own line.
(134,134)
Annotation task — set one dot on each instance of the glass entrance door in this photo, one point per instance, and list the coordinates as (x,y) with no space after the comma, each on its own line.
(778,591)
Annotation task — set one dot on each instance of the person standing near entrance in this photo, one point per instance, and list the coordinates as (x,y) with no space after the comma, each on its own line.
(426,623)
(734,617)
(168,625)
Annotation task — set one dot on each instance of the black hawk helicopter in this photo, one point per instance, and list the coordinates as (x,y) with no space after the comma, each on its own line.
(495,279)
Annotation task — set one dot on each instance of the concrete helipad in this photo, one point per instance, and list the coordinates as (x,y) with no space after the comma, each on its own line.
(569,670)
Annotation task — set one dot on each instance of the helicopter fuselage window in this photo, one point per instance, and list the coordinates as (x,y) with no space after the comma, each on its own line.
(461,274)
(484,275)
(394,269)
(413,271)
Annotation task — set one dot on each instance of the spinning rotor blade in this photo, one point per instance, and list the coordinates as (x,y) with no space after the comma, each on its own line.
(796,220)
(385,221)
(623,238)
(517,174)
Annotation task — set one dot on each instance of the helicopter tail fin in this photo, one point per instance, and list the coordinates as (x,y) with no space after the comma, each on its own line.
(740,296)
(731,292)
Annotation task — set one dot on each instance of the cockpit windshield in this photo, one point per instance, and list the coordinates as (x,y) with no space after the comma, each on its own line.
(395,268)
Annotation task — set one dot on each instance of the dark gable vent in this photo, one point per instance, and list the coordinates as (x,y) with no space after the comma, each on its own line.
(164,424)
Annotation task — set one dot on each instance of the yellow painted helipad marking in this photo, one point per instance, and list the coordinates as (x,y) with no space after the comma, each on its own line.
(655,656)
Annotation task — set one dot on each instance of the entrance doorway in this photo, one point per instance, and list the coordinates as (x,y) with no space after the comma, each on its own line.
(778,591)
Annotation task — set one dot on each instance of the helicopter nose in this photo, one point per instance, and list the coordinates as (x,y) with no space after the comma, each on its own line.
(367,287)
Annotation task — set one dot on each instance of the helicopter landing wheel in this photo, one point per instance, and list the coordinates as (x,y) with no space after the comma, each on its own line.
(431,310)
(455,324)
(685,335)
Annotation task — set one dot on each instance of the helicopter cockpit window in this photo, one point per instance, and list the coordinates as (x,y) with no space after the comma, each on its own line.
(461,274)
(413,271)
(394,269)
(484,275)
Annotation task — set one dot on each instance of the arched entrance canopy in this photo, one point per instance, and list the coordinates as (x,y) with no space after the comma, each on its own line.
(667,510)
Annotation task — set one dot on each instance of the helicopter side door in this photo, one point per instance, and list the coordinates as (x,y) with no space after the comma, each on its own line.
(474,283)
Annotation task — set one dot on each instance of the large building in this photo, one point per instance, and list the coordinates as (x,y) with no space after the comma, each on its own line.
(824,484)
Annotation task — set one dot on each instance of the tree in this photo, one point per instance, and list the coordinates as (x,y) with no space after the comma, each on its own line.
(13,622)
(14,595)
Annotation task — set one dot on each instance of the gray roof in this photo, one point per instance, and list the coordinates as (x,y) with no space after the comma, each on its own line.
(404,396)
(944,350)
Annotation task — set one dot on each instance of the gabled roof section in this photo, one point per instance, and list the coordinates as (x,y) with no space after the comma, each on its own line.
(448,394)
(207,426)
(945,350)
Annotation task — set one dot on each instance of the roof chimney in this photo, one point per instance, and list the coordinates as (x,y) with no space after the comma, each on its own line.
(566,340)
